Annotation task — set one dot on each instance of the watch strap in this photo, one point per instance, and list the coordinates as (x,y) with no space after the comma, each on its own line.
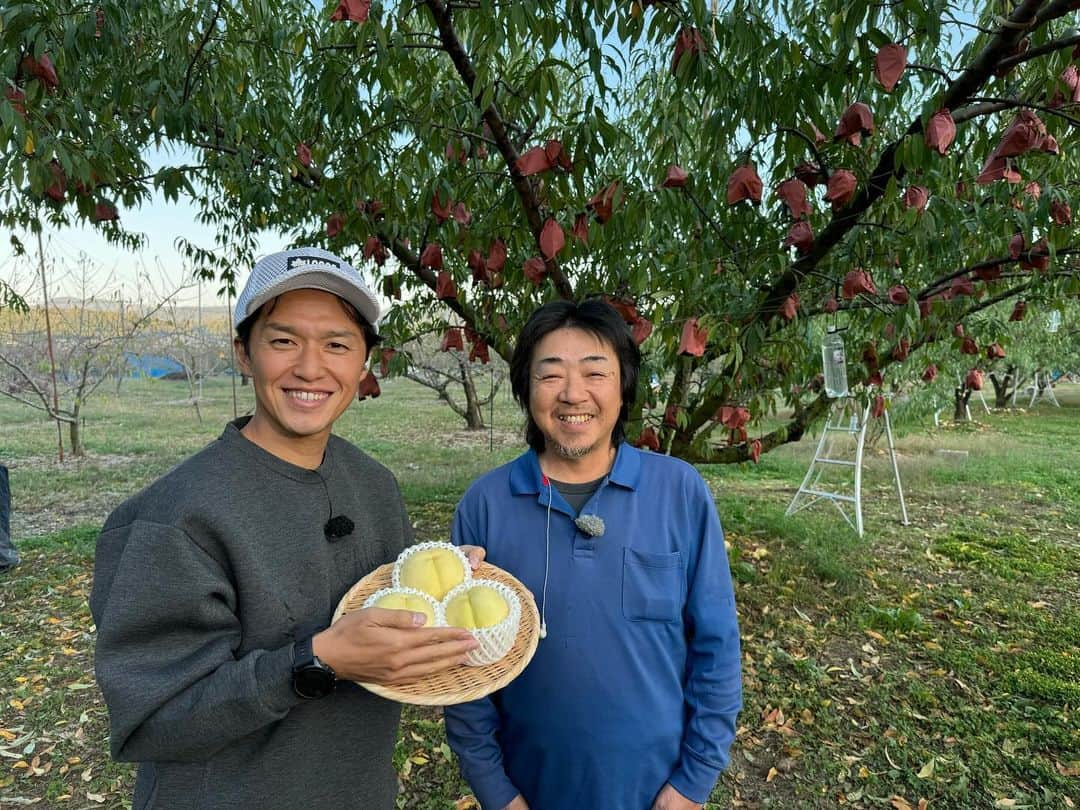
(311,677)
(303,652)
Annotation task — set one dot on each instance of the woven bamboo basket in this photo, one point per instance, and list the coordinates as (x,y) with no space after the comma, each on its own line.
(462,683)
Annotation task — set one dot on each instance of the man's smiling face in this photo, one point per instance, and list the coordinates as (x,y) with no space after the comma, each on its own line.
(575,395)
(306,358)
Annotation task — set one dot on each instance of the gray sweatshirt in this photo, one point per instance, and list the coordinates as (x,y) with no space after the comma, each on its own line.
(202,583)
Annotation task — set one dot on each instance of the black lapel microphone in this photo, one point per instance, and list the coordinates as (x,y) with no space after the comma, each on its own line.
(337,527)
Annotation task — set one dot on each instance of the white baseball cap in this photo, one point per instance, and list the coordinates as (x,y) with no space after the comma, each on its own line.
(305,269)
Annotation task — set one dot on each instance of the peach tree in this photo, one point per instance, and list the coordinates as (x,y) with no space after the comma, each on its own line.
(733,176)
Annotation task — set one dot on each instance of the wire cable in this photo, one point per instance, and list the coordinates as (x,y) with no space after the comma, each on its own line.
(547,560)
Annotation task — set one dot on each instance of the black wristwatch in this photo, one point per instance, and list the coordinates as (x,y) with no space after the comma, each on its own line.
(311,678)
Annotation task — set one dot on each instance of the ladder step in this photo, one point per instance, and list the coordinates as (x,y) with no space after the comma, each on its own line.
(832,429)
(833,495)
(836,461)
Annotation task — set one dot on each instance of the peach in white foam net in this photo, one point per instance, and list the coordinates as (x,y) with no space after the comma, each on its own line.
(407,599)
(434,568)
(478,606)
(491,611)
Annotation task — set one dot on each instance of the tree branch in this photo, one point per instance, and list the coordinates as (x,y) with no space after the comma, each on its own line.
(791,432)
(1027,255)
(843,221)
(712,223)
(524,187)
(53,413)
(1034,53)
(1024,17)
(1006,103)
(411,261)
(930,69)
(796,428)
(198,53)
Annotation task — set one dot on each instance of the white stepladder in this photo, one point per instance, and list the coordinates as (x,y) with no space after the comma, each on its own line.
(845,417)
(1037,392)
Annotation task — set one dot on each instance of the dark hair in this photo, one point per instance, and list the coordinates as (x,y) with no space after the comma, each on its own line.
(599,319)
(243,330)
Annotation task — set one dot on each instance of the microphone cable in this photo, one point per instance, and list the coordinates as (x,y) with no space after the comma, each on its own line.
(336,526)
(547,560)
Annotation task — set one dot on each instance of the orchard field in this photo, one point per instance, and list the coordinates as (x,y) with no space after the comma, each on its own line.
(933,665)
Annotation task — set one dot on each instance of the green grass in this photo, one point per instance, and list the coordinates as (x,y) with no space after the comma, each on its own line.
(937,661)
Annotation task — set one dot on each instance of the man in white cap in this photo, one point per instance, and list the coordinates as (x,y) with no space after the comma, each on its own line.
(214,586)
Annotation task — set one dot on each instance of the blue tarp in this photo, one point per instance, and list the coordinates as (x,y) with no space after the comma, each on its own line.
(151,365)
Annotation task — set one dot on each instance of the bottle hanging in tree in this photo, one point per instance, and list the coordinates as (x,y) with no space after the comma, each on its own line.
(834,361)
(1053,321)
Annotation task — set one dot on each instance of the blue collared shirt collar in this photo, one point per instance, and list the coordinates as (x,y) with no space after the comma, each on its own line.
(526,477)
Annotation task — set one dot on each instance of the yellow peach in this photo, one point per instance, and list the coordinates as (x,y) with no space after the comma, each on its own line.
(434,571)
(407,601)
(477,607)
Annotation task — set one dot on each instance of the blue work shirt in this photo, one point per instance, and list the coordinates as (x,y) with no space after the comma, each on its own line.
(638,681)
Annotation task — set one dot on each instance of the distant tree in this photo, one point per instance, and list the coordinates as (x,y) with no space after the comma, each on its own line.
(455,374)
(200,350)
(89,341)
(1045,341)
(733,176)
(1025,346)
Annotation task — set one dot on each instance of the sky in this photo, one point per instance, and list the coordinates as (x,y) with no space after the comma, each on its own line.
(112,270)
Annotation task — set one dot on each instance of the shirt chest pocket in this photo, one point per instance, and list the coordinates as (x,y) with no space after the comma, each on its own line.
(653,584)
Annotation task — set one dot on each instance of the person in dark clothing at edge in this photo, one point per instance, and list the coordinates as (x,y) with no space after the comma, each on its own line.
(631,699)
(214,587)
(9,555)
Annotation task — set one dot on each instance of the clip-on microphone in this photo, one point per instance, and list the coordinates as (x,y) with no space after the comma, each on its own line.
(337,527)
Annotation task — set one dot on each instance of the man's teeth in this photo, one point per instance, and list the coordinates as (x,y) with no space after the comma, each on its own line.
(575,420)
(308,396)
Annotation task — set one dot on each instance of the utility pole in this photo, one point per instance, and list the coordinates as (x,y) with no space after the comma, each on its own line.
(232,355)
(198,332)
(48,337)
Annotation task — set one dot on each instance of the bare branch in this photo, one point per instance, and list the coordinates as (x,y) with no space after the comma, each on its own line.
(53,413)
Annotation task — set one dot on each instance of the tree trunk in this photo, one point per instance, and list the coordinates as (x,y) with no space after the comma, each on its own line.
(191,376)
(474,417)
(960,412)
(1002,386)
(75,431)
(670,435)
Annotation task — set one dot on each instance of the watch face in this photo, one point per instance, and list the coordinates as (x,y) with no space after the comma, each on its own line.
(313,681)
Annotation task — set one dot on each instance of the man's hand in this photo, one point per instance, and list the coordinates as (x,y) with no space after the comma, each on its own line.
(670,799)
(476,556)
(376,645)
(518,803)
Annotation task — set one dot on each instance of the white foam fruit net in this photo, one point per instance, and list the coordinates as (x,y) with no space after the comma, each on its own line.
(495,641)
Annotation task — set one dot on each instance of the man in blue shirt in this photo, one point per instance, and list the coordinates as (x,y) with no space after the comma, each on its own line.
(631,699)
